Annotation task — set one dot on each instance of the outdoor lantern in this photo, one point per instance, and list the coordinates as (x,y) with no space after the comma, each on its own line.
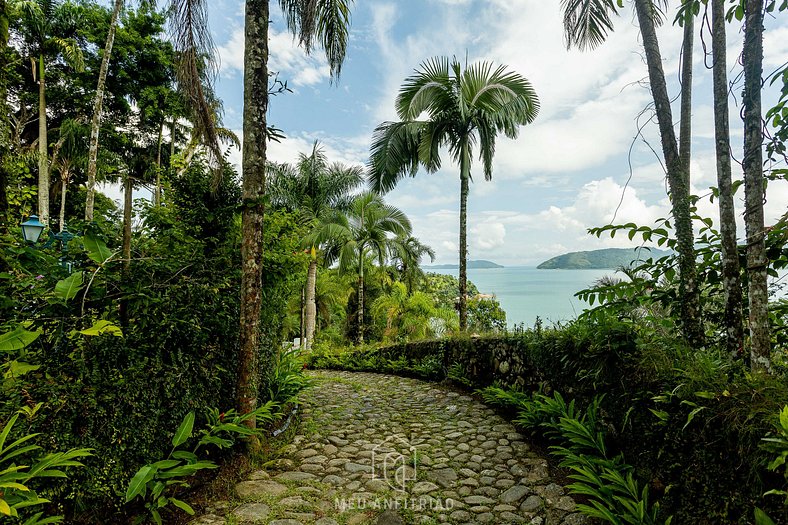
(31,229)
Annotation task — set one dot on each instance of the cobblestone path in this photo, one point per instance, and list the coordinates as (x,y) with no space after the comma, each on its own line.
(381,449)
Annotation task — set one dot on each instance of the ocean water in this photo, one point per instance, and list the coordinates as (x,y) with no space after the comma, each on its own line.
(526,293)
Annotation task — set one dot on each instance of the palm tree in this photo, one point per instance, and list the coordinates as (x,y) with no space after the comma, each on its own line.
(315,190)
(68,154)
(98,101)
(406,255)
(324,22)
(48,24)
(757,261)
(586,25)
(360,232)
(731,271)
(464,107)
(406,315)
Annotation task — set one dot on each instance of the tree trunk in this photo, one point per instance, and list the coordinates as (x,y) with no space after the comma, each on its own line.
(43,155)
(757,263)
(311,309)
(5,129)
(127,206)
(64,182)
(253,168)
(95,123)
(677,179)
(302,310)
(157,190)
(465,164)
(731,280)
(360,314)
(685,125)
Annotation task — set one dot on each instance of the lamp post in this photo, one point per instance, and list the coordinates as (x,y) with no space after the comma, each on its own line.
(31,232)
(31,229)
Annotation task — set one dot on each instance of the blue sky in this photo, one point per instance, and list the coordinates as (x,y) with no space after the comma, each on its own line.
(566,171)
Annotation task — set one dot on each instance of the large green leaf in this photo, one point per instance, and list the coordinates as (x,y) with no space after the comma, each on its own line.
(184,431)
(97,250)
(138,482)
(69,287)
(17,339)
(18,369)
(103,327)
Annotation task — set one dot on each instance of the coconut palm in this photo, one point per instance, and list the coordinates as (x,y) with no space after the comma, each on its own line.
(360,232)
(757,260)
(406,255)
(586,25)
(49,26)
(315,190)
(321,22)
(463,108)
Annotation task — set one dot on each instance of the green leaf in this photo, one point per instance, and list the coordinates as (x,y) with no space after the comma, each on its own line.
(183,506)
(69,287)
(184,431)
(17,339)
(102,327)
(18,369)
(97,250)
(137,483)
(761,518)
(692,415)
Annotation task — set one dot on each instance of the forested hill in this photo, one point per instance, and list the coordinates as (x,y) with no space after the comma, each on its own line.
(472,265)
(599,259)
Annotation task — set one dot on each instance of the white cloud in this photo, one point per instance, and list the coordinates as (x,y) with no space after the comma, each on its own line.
(286,58)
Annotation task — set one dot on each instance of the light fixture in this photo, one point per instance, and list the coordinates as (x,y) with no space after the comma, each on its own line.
(31,229)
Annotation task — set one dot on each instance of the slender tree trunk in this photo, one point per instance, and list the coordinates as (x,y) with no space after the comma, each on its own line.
(43,156)
(731,273)
(360,313)
(311,309)
(677,179)
(98,101)
(172,140)
(5,128)
(465,165)
(127,206)
(685,125)
(757,262)
(157,190)
(302,310)
(253,168)
(64,187)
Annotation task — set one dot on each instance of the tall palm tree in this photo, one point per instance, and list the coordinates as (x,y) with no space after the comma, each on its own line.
(406,255)
(464,108)
(360,232)
(322,22)
(731,271)
(315,190)
(586,25)
(49,25)
(757,261)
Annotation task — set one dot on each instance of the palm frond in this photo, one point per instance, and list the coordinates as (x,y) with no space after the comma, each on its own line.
(587,22)
(197,67)
(394,154)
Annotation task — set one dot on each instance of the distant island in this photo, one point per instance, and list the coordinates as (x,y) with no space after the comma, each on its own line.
(472,265)
(609,258)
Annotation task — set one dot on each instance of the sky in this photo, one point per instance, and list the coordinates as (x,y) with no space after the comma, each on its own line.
(578,165)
